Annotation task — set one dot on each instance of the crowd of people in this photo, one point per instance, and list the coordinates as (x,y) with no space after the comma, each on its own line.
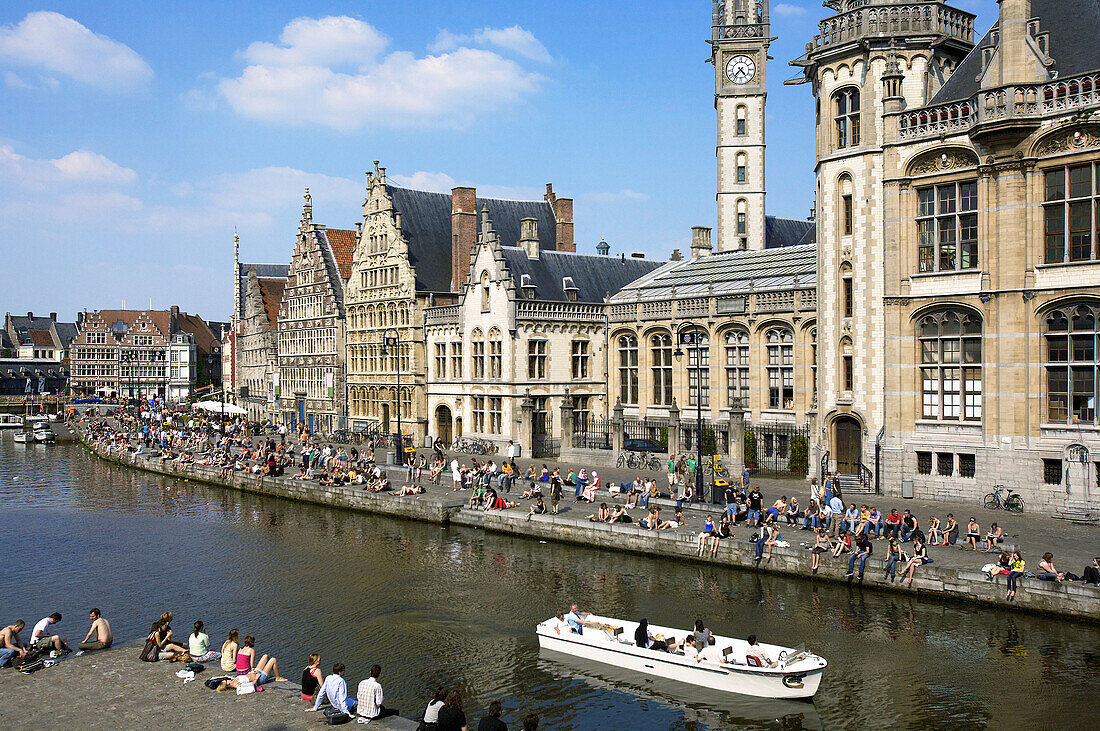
(842,531)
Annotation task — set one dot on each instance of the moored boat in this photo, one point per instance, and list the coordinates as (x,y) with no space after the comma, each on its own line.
(44,434)
(11,421)
(794,672)
(23,437)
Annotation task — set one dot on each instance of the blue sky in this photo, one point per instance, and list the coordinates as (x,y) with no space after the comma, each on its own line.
(134,136)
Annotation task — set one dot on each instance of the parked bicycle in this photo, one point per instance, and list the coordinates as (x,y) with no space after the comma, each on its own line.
(713,466)
(996,500)
(638,461)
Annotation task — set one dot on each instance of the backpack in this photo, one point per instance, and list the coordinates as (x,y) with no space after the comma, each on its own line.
(31,663)
(335,717)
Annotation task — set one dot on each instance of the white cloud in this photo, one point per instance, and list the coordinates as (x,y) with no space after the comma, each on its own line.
(88,166)
(331,41)
(788,10)
(515,39)
(421,180)
(55,43)
(81,167)
(301,82)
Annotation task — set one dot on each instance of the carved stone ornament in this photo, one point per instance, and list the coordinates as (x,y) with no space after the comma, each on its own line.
(938,162)
(1071,140)
(897,301)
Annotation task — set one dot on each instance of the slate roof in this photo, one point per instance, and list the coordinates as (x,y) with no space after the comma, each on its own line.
(594,276)
(263,271)
(271,291)
(1074,26)
(342,242)
(782,232)
(5,341)
(66,332)
(728,273)
(426,223)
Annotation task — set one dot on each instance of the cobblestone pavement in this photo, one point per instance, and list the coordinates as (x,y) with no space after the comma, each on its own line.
(112,690)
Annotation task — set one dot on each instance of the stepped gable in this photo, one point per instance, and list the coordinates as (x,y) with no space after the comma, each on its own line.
(1074,28)
(426,226)
(277,272)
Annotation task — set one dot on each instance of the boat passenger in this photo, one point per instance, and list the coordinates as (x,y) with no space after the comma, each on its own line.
(574,619)
(757,653)
(701,633)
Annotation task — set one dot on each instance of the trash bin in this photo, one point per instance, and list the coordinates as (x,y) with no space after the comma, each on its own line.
(427,441)
(718,491)
(907,489)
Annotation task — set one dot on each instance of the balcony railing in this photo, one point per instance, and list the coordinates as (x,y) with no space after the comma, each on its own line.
(441,315)
(560,311)
(1020,101)
(893,20)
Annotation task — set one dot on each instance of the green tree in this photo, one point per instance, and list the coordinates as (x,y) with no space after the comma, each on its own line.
(750,450)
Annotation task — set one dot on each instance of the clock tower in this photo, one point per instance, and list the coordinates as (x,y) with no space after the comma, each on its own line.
(739,52)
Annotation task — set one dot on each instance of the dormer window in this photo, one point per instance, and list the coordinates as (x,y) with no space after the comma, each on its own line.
(571,290)
(527,286)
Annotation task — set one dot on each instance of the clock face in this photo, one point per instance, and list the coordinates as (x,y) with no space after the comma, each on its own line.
(740,69)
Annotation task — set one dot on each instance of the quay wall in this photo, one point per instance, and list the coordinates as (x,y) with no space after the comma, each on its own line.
(1069,600)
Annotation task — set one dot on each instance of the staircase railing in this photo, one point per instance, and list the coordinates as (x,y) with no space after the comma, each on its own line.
(866,478)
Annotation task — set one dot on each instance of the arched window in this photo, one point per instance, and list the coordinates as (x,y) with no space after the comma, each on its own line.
(951,366)
(780,369)
(742,167)
(742,120)
(742,217)
(846,214)
(628,369)
(496,359)
(485,291)
(477,353)
(660,352)
(846,116)
(737,369)
(1071,364)
(697,344)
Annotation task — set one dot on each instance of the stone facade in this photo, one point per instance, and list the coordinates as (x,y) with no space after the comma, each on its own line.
(526,342)
(259,346)
(310,383)
(965,219)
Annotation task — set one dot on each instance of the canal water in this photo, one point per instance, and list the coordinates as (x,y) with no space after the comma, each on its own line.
(457,607)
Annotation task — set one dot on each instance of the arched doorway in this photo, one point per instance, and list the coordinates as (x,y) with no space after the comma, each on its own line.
(458,427)
(443,425)
(847,445)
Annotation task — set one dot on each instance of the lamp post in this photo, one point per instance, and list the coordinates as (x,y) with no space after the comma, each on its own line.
(695,340)
(395,343)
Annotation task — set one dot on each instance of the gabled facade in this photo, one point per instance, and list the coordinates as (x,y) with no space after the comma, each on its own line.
(413,251)
(37,338)
(310,382)
(526,341)
(258,343)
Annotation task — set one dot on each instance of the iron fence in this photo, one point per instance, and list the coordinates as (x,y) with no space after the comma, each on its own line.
(654,429)
(777,449)
(545,444)
(592,433)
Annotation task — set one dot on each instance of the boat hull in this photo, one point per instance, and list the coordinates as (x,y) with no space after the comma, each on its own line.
(759,682)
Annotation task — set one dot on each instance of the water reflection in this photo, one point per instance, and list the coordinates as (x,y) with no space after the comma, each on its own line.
(457,607)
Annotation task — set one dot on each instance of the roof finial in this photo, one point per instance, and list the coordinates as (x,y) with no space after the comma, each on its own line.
(307,209)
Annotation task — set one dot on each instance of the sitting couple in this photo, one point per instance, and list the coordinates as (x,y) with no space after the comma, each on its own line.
(242,660)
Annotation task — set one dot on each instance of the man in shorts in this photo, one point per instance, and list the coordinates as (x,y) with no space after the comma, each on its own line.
(41,639)
(99,637)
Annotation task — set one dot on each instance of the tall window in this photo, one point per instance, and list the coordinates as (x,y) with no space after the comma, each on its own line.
(485,291)
(541,413)
(742,121)
(847,285)
(496,411)
(496,360)
(536,359)
(580,359)
(697,345)
(947,226)
(742,167)
(456,360)
(660,351)
(479,413)
(846,102)
(742,218)
(1071,365)
(581,412)
(1073,213)
(951,366)
(440,360)
(628,369)
(737,368)
(780,369)
(477,354)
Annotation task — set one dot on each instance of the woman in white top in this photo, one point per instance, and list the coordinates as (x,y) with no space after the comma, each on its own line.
(431,713)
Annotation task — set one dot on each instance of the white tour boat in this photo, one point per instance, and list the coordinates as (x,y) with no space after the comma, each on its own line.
(23,437)
(43,433)
(11,421)
(796,673)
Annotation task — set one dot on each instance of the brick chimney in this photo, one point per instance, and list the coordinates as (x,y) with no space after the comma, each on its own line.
(563,218)
(173,320)
(53,316)
(463,233)
(529,237)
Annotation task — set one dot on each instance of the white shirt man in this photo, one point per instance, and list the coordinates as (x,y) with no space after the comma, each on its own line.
(456,473)
(369,695)
(559,625)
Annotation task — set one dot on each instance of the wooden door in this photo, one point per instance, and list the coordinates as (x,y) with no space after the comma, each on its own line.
(848,445)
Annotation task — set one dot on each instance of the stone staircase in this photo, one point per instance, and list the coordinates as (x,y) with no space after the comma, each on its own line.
(850,485)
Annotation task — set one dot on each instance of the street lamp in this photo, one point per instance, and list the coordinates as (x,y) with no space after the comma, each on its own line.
(694,339)
(395,343)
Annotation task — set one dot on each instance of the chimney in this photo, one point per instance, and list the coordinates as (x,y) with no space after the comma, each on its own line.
(676,255)
(700,242)
(529,236)
(1018,58)
(53,316)
(173,320)
(463,233)
(563,218)
(30,315)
